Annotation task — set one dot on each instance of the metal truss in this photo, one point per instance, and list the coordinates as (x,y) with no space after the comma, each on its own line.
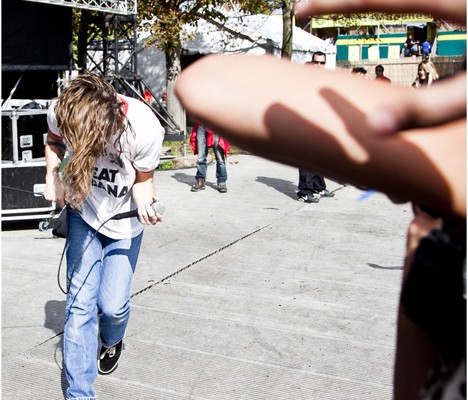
(111,49)
(110,46)
(107,44)
(123,7)
(135,87)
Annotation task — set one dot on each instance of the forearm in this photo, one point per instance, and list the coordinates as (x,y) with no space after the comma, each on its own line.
(54,153)
(143,192)
(53,157)
(315,119)
(144,195)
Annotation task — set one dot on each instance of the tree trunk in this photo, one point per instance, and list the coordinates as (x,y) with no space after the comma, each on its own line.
(286,49)
(174,107)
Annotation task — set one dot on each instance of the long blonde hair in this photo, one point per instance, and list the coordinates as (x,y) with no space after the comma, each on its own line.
(88,114)
(431,74)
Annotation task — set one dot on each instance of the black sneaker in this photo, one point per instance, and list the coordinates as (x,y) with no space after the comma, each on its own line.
(308,198)
(200,185)
(109,358)
(326,193)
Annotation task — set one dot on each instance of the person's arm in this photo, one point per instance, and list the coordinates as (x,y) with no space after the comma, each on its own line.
(54,153)
(415,352)
(144,195)
(316,119)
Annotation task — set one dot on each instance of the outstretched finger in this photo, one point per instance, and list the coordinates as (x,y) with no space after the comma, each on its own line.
(455,10)
(443,102)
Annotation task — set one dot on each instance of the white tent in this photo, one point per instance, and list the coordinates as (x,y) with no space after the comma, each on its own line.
(259,34)
(253,34)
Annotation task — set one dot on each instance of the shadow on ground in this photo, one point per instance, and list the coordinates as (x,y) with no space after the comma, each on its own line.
(286,187)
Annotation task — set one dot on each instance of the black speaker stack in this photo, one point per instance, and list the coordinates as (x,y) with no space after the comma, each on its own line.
(36,49)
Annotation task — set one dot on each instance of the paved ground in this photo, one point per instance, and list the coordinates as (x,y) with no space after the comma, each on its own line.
(243,295)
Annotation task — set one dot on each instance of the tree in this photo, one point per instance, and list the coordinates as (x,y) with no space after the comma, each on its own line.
(164,19)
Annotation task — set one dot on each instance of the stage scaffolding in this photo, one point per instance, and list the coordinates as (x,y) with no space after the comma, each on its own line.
(124,7)
(108,44)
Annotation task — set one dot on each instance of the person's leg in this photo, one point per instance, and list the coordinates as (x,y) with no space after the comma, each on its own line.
(320,187)
(221,171)
(202,153)
(119,263)
(318,183)
(81,326)
(305,184)
(306,188)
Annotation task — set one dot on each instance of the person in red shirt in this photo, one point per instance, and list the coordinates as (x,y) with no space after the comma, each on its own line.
(201,140)
(379,74)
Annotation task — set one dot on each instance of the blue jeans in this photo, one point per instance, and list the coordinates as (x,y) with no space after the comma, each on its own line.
(202,151)
(98,300)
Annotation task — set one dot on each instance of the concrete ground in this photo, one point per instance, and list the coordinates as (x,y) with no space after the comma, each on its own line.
(244,295)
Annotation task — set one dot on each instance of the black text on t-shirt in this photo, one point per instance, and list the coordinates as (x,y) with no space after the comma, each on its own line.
(105,179)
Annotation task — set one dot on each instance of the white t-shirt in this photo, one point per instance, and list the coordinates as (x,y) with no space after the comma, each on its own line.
(113,178)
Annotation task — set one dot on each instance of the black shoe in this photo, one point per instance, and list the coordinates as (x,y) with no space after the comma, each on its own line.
(109,358)
(308,198)
(200,185)
(326,193)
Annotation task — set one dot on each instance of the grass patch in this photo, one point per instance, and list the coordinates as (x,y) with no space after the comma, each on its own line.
(166,165)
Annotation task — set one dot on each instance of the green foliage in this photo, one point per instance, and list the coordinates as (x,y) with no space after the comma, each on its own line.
(166,165)
(260,6)
(164,19)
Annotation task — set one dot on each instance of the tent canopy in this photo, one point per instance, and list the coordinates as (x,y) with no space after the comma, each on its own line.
(260,34)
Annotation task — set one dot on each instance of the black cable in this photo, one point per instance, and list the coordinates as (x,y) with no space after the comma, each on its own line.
(80,256)
(23,191)
(158,207)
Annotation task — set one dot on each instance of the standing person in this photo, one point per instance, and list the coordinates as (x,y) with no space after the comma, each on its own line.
(312,187)
(426,49)
(408,45)
(426,75)
(201,140)
(379,74)
(411,46)
(114,143)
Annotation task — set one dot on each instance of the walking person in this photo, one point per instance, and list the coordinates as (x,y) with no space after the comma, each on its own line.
(312,187)
(201,140)
(114,143)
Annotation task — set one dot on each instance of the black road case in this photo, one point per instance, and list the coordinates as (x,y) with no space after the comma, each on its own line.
(24,133)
